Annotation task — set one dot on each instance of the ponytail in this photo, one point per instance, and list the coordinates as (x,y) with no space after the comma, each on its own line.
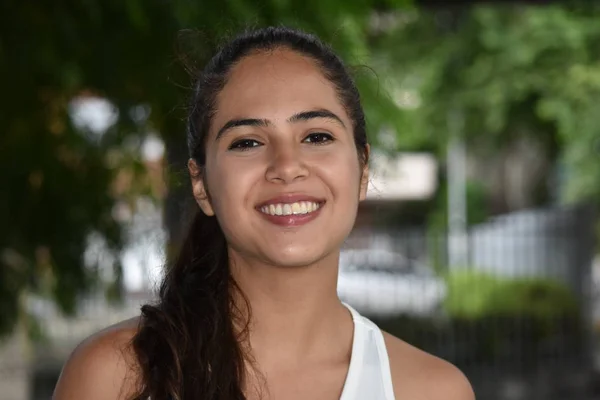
(186,346)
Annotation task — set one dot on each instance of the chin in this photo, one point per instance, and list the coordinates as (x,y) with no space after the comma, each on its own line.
(295,257)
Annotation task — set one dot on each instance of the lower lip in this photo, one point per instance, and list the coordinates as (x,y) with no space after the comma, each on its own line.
(292,220)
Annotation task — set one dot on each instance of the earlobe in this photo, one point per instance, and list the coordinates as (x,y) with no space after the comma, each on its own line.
(199,188)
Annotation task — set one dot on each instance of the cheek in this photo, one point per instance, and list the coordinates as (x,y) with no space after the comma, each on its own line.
(342,171)
(229,186)
(342,177)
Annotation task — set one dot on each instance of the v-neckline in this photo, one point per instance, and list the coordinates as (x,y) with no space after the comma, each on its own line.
(356,357)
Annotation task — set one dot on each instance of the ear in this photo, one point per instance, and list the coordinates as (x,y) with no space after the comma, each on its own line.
(364,179)
(199,188)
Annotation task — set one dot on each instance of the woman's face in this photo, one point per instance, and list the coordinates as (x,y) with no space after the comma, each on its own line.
(282,171)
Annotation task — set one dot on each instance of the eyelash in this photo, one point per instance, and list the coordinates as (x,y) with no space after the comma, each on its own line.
(241,145)
(247,144)
(327,136)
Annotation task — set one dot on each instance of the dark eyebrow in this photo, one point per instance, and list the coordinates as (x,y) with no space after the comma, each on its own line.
(301,116)
(234,123)
(322,113)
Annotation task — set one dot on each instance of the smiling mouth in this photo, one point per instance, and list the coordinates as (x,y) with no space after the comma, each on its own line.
(287,209)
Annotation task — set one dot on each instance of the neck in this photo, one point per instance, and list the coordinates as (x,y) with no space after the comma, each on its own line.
(295,313)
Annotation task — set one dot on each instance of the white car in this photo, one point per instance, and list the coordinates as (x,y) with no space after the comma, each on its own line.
(383,283)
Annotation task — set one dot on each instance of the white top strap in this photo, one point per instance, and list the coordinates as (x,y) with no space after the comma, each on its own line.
(369,374)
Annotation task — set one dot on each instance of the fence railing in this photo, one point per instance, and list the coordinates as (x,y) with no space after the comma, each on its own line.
(515,316)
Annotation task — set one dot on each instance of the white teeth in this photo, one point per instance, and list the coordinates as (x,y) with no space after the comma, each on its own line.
(302,207)
(296,207)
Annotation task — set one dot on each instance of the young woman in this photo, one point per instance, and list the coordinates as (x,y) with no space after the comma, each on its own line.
(278,163)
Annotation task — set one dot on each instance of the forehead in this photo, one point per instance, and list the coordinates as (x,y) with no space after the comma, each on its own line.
(276,85)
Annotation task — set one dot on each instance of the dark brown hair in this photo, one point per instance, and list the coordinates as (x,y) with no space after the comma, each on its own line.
(187,346)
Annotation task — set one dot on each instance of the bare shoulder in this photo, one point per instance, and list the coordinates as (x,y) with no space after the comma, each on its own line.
(421,376)
(101,367)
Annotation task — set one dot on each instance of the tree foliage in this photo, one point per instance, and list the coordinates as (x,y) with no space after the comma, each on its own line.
(511,71)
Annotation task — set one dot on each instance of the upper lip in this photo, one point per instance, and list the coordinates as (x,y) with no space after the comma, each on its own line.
(290,198)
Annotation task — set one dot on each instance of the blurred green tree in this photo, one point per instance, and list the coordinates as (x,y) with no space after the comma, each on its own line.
(513,71)
(59,180)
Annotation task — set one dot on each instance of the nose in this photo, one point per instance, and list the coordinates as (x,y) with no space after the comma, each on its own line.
(286,165)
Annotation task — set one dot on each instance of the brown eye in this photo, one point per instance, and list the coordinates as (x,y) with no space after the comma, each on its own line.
(318,138)
(244,144)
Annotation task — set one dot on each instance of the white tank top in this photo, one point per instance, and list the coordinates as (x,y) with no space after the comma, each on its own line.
(369,375)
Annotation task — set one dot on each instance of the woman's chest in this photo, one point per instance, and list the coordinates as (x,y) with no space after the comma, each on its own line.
(316,383)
